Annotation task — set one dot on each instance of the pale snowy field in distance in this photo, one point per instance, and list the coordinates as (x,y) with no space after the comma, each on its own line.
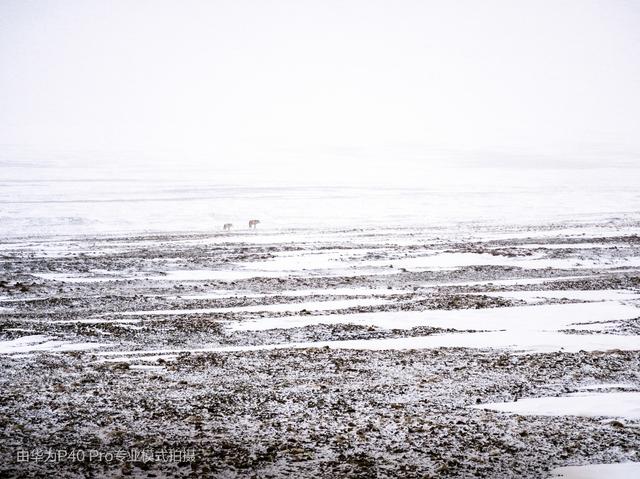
(79,198)
(625,470)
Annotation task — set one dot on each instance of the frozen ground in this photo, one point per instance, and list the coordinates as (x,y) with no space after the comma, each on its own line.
(614,404)
(467,351)
(609,471)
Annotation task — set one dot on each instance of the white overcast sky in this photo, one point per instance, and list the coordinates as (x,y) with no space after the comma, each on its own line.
(355,80)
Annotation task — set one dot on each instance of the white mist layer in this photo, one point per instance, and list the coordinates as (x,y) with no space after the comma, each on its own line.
(39,198)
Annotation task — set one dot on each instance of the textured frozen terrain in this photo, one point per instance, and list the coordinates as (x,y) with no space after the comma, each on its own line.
(460,351)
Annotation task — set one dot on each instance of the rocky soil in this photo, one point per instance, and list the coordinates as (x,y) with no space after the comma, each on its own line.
(316,412)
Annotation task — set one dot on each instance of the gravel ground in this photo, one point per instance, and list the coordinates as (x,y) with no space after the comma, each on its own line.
(315,412)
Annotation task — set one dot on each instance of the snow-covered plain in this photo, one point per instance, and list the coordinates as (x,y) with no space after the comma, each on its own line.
(609,404)
(585,295)
(39,342)
(624,470)
(77,197)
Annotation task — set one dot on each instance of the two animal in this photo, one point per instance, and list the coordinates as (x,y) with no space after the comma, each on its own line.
(252,224)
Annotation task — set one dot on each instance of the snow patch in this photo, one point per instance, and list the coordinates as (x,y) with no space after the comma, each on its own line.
(624,470)
(519,318)
(616,404)
(40,342)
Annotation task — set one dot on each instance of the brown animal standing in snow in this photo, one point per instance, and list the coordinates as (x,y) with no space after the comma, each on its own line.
(227,226)
(253,223)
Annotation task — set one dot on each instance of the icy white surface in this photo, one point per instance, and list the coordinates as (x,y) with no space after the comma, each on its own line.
(99,320)
(588,295)
(237,272)
(353,260)
(624,470)
(603,230)
(535,342)
(523,328)
(66,278)
(342,264)
(79,196)
(221,275)
(42,343)
(225,294)
(456,260)
(529,342)
(11,299)
(511,282)
(280,307)
(521,318)
(571,245)
(616,404)
(526,328)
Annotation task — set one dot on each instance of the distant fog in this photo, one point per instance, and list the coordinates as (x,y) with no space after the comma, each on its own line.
(330,91)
